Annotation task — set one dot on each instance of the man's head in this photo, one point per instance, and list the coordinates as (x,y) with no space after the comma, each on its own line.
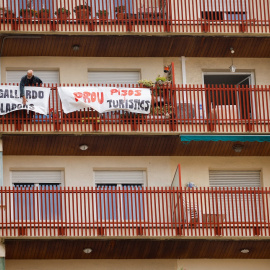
(30,74)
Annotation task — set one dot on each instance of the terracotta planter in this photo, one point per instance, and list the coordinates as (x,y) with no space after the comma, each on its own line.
(62,16)
(121,16)
(44,17)
(83,14)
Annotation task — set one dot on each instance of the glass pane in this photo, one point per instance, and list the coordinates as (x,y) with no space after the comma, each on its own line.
(24,201)
(50,202)
(133,203)
(107,202)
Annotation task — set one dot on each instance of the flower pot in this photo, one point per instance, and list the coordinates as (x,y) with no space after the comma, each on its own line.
(121,16)
(62,16)
(44,17)
(83,14)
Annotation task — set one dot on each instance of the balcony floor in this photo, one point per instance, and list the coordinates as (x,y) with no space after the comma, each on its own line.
(105,248)
(127,45)
(124,145)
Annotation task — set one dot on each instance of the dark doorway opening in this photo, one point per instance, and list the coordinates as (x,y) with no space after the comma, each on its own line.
(229,90)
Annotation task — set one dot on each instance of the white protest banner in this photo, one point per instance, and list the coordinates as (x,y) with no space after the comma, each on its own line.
(38,99)
(104,99)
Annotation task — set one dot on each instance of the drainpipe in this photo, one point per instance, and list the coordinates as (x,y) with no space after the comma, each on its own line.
(184,75)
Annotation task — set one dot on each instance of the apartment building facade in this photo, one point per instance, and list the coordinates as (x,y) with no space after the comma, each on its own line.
(183,186)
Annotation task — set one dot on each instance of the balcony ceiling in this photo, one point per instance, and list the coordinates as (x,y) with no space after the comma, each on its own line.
(124,145)
(137,249)
(134,46)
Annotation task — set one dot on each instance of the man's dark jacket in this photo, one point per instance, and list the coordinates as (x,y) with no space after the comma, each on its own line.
(29,82)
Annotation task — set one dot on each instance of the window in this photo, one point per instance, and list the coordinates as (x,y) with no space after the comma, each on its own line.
(113,77)
(120,197)
(47,76)
(238,16)
(229,103)
(219,10)
(36,195)
(236,206)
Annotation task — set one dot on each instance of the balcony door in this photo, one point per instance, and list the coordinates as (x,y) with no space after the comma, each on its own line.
(119,196)
(36,196)
(236,204)
(229,103)
(219,10)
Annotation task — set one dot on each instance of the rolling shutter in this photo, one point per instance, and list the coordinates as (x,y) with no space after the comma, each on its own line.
(47,76)
(119,177)
(36,177)
(113,77)
(237,207)
(235,178)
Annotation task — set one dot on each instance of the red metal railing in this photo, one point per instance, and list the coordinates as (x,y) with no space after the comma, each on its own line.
(224,16)
(54,211)
(173,109)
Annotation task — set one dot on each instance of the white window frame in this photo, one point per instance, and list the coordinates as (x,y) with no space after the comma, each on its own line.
(252,83)
(120,214)
(36,184)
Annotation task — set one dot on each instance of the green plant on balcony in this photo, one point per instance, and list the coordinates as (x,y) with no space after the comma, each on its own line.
(161,82)
(62,13)
(44,13)
(146,83)
(102,14)
(82,11)
(120,12)
(28,13)
(8,14)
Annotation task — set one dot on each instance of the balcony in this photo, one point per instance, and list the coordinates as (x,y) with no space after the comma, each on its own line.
(54,211)
(174,110)
(177,16)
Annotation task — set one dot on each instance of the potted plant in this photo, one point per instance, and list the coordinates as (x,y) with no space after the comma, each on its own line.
(145,83)
(120,12)
(28,13)
(102,14)
(8,14)
(44,13)
(82,11)
(161,80)
(62,13)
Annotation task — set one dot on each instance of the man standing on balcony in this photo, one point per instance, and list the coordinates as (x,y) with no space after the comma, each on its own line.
(28,80)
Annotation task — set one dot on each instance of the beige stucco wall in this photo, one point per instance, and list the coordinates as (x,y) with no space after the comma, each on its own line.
(137,264)
(223,264)
(160,170)
(196,66)
(74,69)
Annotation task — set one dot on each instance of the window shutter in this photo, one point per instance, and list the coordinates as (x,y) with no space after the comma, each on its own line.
(235,178)
(113,77)
(120,177)
(47,76)
(237,207)
(36,177)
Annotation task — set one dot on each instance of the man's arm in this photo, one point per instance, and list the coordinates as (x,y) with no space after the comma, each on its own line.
(22,84)
(38,81)
(22,94)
